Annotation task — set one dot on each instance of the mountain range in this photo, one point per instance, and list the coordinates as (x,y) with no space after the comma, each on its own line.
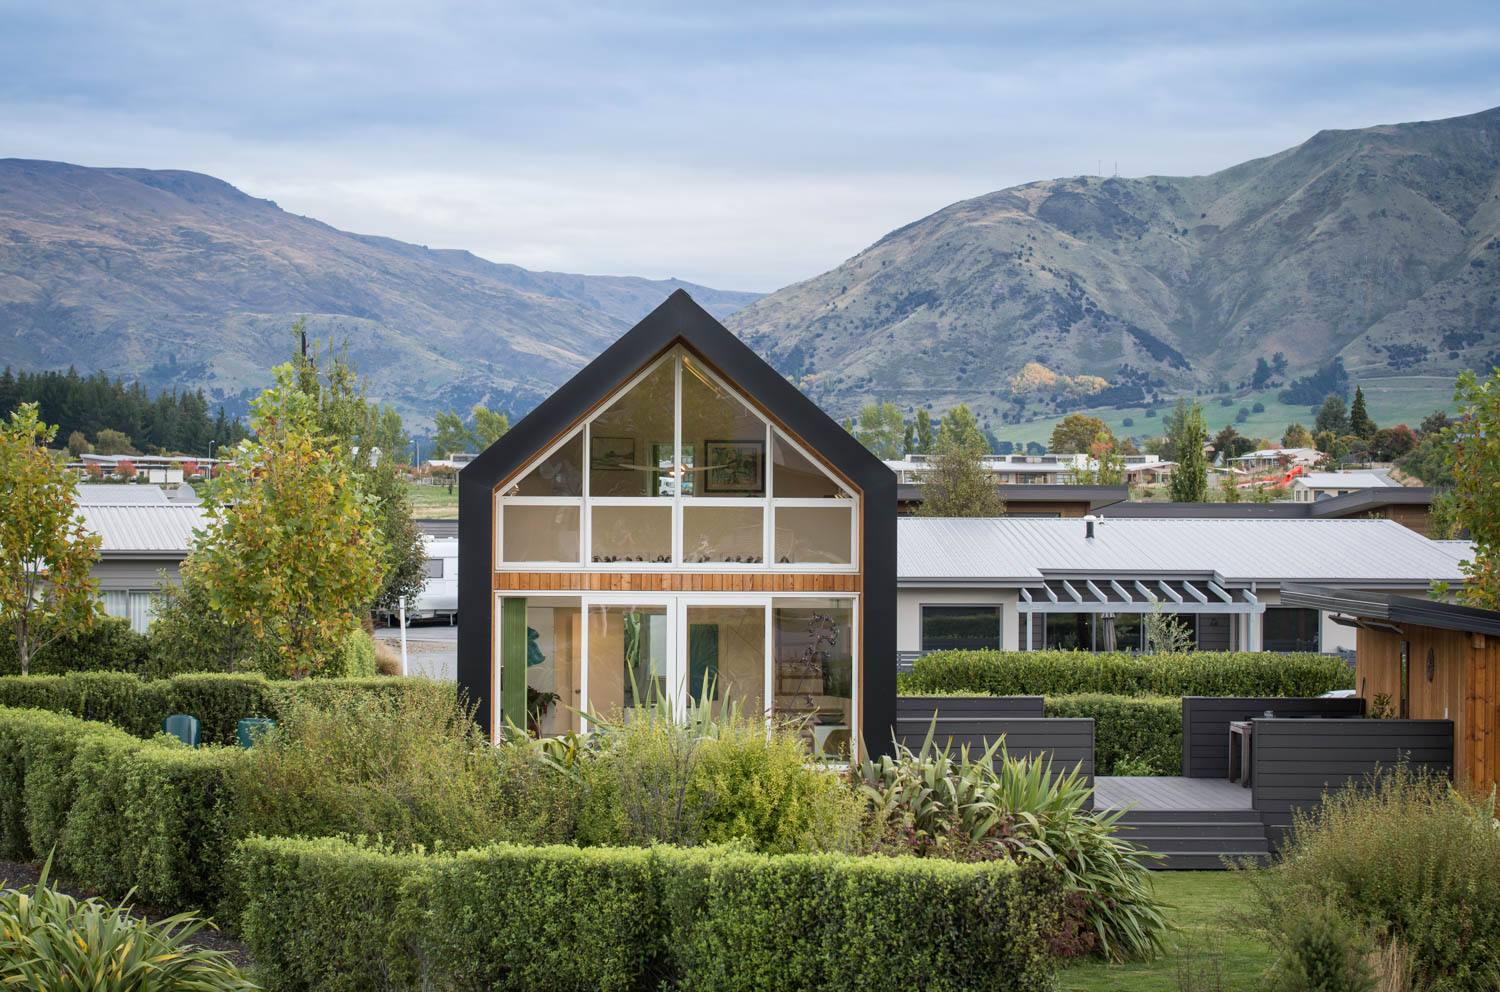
(1379,247)
(179,279)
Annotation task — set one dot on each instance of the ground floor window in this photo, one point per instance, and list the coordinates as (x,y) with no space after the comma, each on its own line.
(788,657)
(1100,631)
(1288,628)
(134,605)
(960,628)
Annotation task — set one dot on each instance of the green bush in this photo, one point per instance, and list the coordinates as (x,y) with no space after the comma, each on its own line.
(111,646)
(219,701)
(1138,735)
(1064,673)
(49,940)
(1412,860)
(325,914)
(118,812)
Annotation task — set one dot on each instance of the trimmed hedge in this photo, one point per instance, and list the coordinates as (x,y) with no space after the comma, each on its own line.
(218,701)
(1064,673)
(326,914)
(111,646)
(1143,730)
(116,812)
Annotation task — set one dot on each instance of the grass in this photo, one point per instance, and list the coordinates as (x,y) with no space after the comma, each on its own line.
(434,502)
(1391,400)
(1201,902)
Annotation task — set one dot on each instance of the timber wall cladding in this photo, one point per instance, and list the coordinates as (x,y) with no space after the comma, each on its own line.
(1481,734)
(846,582)
(1297,761)
(1206,719)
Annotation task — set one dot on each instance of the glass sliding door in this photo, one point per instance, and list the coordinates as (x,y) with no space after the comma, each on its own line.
(630,658)
(726,655)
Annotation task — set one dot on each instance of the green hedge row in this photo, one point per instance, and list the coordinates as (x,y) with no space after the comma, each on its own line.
(111,646)
(1065,673)
(328,915)
(114,811)
(219,702)
(1133,735)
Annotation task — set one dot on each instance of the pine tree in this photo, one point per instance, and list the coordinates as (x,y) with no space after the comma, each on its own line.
(1360,424)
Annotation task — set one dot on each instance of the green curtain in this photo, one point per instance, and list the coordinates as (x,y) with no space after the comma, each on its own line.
(703,659)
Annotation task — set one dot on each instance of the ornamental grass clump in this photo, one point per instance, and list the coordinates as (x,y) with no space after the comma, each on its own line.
(992,807)
(1408,860)
(51,942)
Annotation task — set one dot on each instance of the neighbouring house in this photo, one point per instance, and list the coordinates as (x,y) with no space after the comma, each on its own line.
(1409,506)
(142,544)
(159,469)
(678,520)
(1274,459)
(1039,470)
(1326,485)
(1033,500)
(452,462)
(1017,584)
(1425,660)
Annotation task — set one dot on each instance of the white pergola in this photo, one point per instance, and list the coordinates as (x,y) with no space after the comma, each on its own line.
(1106,597)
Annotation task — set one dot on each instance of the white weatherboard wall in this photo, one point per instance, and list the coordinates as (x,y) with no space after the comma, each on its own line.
(909,603)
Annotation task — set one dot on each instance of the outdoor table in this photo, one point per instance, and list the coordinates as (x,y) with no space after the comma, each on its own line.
(1239,751)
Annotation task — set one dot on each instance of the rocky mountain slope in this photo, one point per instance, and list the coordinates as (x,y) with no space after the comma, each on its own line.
(178,278)
(1379,246)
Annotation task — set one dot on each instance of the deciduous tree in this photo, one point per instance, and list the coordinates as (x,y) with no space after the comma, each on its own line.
(449,435)
(489,426)
(46,552)
(880,429)
(1296,436)
(957,484)
(959,427)
(291,548)
(1076,433)
(1333,416)
(926,438)
(1473,443)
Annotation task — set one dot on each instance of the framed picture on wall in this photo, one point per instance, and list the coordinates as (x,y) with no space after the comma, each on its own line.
(611,454)
(734,467)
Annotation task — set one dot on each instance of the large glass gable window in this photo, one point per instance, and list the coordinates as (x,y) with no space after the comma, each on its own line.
(677,469)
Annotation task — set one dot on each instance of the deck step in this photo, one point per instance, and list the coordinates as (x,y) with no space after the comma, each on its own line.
(1194,828)
(1135,816)
(1201,861)
(1202,845)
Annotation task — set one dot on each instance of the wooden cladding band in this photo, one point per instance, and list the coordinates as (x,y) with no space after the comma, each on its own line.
(846,582)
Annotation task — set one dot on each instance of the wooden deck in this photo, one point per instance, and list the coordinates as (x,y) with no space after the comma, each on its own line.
(1169,793)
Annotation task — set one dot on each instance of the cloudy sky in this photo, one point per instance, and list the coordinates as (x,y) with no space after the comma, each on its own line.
(741,145)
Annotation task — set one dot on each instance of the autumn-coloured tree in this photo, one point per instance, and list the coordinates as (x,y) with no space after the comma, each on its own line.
(189,469)
(46,552)
(1473,442)
(1077,432)
(125,468)
(291,549)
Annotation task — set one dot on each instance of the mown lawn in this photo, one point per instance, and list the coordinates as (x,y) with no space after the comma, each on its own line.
(1201,903)
(434,502)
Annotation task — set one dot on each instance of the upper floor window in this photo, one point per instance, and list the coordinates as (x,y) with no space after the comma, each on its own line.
(677,469)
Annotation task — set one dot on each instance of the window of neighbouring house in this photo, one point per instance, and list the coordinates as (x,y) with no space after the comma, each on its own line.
(960,628)
(1287,628)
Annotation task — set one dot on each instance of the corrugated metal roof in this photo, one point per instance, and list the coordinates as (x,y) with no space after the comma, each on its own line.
(98,494)
(144,528)
(1344,480)
(1010,550)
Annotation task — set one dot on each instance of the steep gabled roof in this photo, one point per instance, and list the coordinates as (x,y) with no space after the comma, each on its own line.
(678,319)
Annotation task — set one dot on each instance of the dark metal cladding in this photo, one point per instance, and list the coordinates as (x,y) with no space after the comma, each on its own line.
(681,319)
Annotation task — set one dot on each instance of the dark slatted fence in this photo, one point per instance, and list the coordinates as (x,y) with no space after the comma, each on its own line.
(1206,720)
(1297,761)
